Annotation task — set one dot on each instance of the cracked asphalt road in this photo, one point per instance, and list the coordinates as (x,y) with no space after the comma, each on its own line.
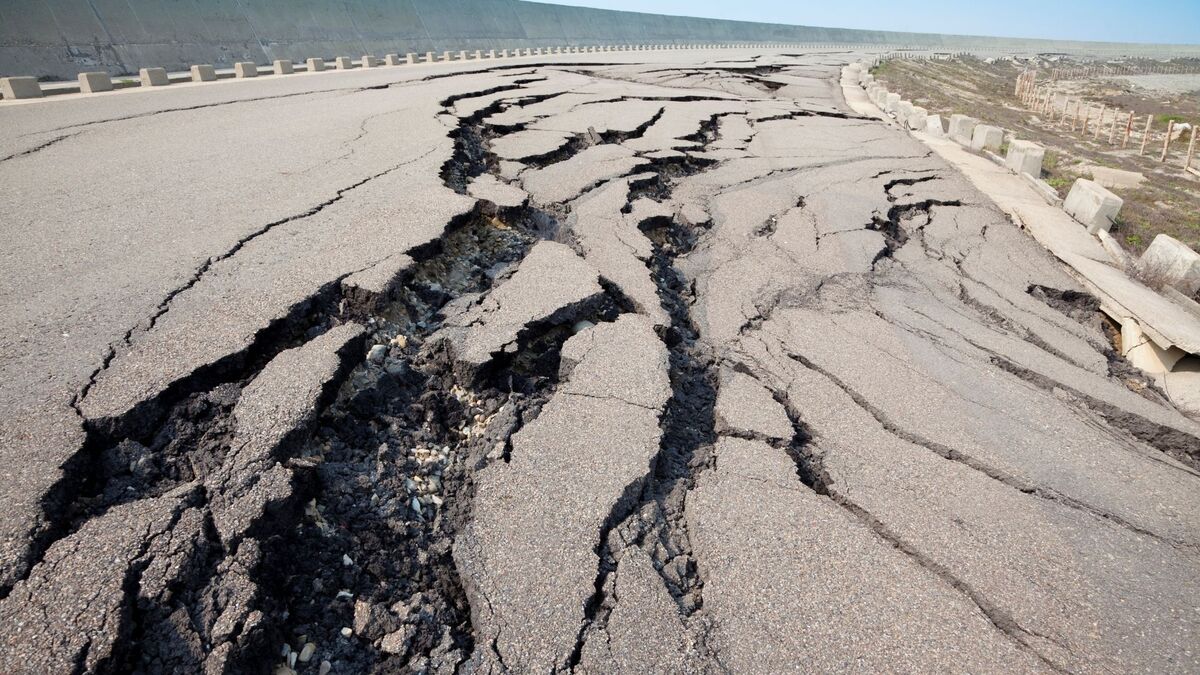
(659,362)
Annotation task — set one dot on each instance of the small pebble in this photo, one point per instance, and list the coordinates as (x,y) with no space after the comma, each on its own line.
(347,631)
(581,326)
(307,652)
(346,560)
(377,354)
(325,668)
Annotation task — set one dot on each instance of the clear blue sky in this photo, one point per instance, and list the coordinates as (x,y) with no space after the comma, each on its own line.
(1163,21)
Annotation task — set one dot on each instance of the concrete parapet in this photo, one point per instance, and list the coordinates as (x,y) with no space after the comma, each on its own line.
(1025,157)
(343,63)
(91,83)
(1092,205)
(154,77)
(933,126)
(20,87)
(917,118)
(1173,263)
(282,67)
(245,69)
(987,137)
(392,59)
(314,65)
(203,72)
(962,128)
(369,61)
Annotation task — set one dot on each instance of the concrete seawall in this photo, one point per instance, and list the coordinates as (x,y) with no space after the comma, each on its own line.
(57,39)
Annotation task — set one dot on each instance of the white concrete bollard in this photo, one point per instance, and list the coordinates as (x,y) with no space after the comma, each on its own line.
(917,118)
(504,53)
(282,67)
(1092,205)
(153,77)
(91,83)
(343,63)
(987,137)
(962,128)
(933,126)
(891,103)
(203,72)
(1025,157)
(447,56)
(20,87)
(477,55)
(392,59)
(430,57)
(1172,262)
(903,110)
(462,55)
(314,65)
(369,61)
(491,53)
(411,58)
(243,69)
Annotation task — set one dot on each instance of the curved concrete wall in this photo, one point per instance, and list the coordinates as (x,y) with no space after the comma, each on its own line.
(60,38)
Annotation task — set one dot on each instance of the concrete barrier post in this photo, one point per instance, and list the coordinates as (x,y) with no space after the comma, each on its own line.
(987,137)
(343,63)
(462,55)
(203,72)
(20,87)
(962,128)
(1025,157)
(91,83)
(314,65)
(429,57)
(411,58)
(153,77)
(283,67)
(369,61)
(1092,205)
(447,56)
(491,54)
(392,59)
(243,69)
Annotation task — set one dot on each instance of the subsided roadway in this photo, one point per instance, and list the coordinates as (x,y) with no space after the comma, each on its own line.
(585,362)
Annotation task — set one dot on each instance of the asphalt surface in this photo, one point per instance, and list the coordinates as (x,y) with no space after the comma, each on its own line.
(703,372)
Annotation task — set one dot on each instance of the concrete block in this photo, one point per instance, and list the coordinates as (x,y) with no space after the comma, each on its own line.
(392,59)
(462,55)
(504,53)
(91,83)
(491,54)
(315,65)
(477,55)
(918,118)
(203,72)
(430,57)
(903,110)
(343,63)
(1025,157)
(20,87)
(411,58)
(933,126)
(1173,262)
(447,56)
(245,69)
(369,61)
(282,67)
(987,137)
(154,77)
(1092,205)
(962,128)
(891,102)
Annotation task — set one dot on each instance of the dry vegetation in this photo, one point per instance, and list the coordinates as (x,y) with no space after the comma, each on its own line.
(1167,202)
